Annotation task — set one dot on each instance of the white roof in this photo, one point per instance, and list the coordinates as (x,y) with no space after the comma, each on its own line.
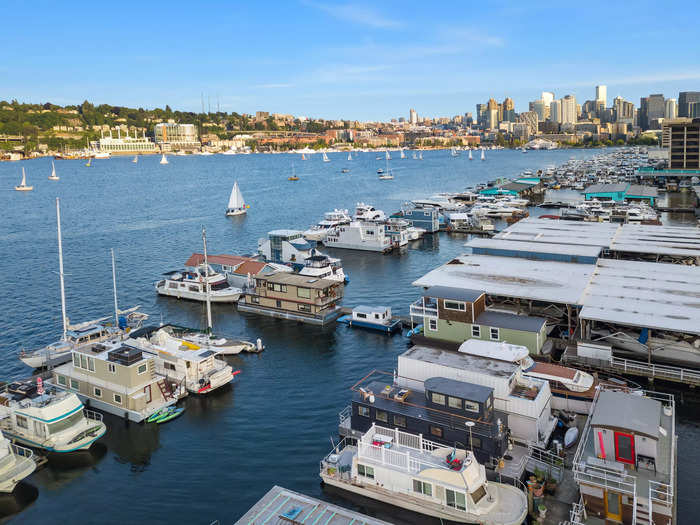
(561,232)
(535,247)
(551,281)
(494,350)
(662,240)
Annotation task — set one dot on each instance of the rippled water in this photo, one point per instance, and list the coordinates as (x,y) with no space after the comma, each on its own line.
(273,425)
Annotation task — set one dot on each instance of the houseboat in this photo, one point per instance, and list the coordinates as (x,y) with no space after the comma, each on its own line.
(16,463)
(199,370)
(119,379)
(42,416)
(373,318)
(407,471)
(295,297)
(526,401)
(366,212)
(426,218)
(399,231)
(361,235)
(333,218)
(442,409)
(191,284)
(238,269)
(625,463)
(321,266)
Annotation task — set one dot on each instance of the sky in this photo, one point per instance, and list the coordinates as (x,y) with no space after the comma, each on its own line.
(352,60)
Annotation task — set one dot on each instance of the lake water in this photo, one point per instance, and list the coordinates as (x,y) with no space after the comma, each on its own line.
(274,424)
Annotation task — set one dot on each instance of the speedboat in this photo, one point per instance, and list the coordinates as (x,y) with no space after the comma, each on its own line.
(190,339)
(333,218)
(190,284)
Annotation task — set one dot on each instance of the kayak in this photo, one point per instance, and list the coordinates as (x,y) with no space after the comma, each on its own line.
(172,414)
(157,414)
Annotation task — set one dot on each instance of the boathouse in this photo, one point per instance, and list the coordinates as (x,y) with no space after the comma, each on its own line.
(621,192)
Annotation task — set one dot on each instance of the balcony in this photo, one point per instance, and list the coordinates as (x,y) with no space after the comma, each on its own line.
(424,308)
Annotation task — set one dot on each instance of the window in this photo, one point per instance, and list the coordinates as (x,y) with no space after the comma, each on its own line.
(117,399)
(22,422)
(494,333)
(169,366)
(304,308)
(370,232)
(382,416)
(422,487)
(277,287)
(436,431)
(456,500)
(142,368)
(624,448)
(98,392)
(365,471)
(194,288)
(438,399)
(471,406)
(361,316)
(454,402)
(432,325)
(455,305)
(400,421)
(76,360)
(478,494)
(278,303)
(74,384)
(304,293)
(112,368)
(476,330)
(255,299)
(476,441)
(362,411)
(61,380)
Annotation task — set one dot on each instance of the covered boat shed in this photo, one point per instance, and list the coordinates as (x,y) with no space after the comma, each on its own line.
(535,250)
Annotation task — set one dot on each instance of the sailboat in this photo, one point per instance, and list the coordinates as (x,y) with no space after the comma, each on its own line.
(89,162)
(349,155)
(470,155)
(420,156)
(483,155)
(164,159)
(135,159)
(403,155)
(415,157)
(23,185)
(325,157)
(386,154)
(294,174)
(385,175)
(454,152)
(303,157)
(53,175)
(236,204)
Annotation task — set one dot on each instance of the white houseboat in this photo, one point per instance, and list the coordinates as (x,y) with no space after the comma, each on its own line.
(285,246)
(191,284)
(410,472)
(360,235)
(321,266)
(41,416)
(16,463)
(333,218)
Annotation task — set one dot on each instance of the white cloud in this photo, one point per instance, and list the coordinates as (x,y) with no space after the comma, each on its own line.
(357,13)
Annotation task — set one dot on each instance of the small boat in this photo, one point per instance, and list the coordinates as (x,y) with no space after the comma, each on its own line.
(386,176)
(372,318)
(325,157)
(570,437)
(403,155)
(89,162)
(53,175)
(415,157)
(386,155)
(470,155)
(135,159)
(345,170)
(349,156)
(303,157)
(294,174)
(236,204)
(172,414)
(453,152)
(157,414)
(483,155)
(16,463)
(420,156)
(164,159)
(23,185)
(380,171)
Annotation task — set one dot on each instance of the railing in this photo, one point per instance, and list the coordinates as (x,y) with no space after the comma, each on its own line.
(345,415)
(420,309)
(660,494)
(91,414)
(604,478)
(22,451)
(671,373)
(541,458)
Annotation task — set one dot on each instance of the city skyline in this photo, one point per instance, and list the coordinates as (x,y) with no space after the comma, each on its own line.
(348,61)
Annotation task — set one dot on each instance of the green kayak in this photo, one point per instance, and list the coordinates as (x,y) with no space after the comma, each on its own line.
(172,414)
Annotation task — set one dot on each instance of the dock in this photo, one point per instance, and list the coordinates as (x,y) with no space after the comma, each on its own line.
(281,506)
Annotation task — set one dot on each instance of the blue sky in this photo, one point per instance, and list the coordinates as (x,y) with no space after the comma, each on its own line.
(359,60)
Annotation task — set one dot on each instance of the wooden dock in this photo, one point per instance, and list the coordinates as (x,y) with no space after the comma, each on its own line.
(281,506)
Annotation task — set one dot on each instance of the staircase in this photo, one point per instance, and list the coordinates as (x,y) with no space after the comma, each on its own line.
(165,390)
(642,513)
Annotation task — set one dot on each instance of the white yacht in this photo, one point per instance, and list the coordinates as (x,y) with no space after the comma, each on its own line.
(191,284)
(16,463)
(410,472)
(197,339)
(163,159)
(333,218)
(23,185)
(360,235)
(236,204)
(365,212)
(41,416)
(321,266)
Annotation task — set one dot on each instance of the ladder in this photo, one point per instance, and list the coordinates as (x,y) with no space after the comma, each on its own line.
(165,390)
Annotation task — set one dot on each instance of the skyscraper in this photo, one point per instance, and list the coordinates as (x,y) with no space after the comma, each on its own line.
(671,109)
(538,106)
(569,112)
(555,111)
(481,114)
(623,111)
(492,114)
(685,98)
(601,95)
(656,109)
(413,116)
(508,110)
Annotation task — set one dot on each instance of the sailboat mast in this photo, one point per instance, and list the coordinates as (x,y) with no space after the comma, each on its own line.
(206,278)
(114,287)
(60,270)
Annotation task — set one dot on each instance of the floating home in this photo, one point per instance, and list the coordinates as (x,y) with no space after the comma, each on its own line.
(426,218)
(283,246)
(295,297)
(455,314)
(372,318)
(118,379)
(439,409)
(625,464)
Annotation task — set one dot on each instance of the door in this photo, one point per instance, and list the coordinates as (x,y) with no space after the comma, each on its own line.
(613,505)
(147,391)
(624,448)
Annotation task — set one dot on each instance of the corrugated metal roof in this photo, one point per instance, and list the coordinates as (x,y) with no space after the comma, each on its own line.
(638,190)
(606,188)
(536,247)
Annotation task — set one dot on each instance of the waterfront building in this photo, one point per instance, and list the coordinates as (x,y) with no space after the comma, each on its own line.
(426,218)
(171,136)
(685,101)
(683,136)
(625,462)
(293,296)
(126,145)
(285,246)
(671,111)
(455,315)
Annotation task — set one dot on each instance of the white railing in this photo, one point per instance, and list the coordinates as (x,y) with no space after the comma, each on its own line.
(420,309)
(661,494)
(672,373)
(546,460)
(91,414)
(604,478)
(345,415)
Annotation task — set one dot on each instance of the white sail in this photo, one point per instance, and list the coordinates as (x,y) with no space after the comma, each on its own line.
(325,157)
(403,155)
(164,159)
(303,157)
(136,159)
(386,154)
(24,178)
(236,199)
(483,155)
(470,155)
(349,156)
(420,156)
(53,171)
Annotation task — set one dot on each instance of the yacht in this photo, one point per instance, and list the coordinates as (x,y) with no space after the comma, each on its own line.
(192,339)
(190,284)
(16,463)
(163,159)
(365,212)
(321,266)
(23,185)
(360,235)
(330,219)
(198,369)
(53,175)
(236,204)
(410,472)
(43,416)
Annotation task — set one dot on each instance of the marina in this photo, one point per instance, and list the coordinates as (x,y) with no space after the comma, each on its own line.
(231,412)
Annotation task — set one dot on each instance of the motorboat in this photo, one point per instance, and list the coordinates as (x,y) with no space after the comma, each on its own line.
(365,212)
(191,339)
(319,231)
(23,185)
(236,204)
(16,463)
(191,284)
(43,416)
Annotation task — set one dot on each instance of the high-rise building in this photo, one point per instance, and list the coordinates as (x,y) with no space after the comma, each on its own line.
(682,135)
(481,114)
(642,114)
(569,110)
(413,116)
(539,107)
(492,114)
(555,111)
(601,95)
(671,111)
(623,111)
(547,97)
(508,110)
(530,118)
(685,98)
(656,109)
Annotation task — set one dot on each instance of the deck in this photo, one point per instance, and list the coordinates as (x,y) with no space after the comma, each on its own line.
(281,506)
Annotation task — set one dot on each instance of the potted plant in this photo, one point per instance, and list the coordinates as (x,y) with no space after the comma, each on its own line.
(550,486)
